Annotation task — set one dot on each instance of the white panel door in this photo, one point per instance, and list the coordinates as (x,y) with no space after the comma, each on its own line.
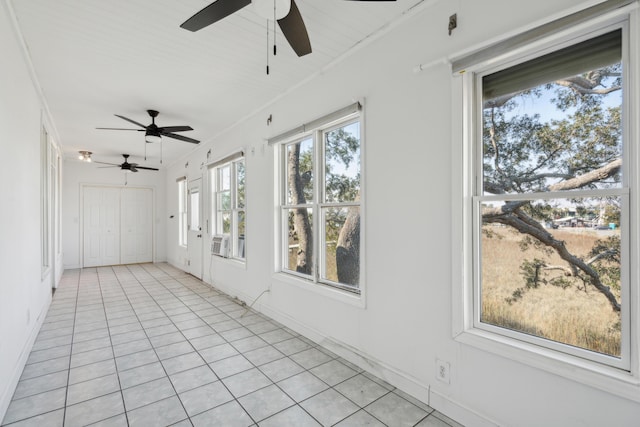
(136,216)
(194,222)
(101,220)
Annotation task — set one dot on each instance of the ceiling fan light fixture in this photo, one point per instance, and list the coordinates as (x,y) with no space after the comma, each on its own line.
(85,156)
(151,137)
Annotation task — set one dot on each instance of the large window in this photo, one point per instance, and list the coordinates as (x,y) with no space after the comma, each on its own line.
(320,202)
(551,183)
(228,203)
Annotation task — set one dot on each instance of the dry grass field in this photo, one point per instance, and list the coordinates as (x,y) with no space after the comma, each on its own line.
(572,316)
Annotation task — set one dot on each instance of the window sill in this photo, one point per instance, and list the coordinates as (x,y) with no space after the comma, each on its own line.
(612,380)
(346,297)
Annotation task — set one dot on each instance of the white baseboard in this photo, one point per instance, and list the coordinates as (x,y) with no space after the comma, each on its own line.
(458,412)
(393,376)
(10,388)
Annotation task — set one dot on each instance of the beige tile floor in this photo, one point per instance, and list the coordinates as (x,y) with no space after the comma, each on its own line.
(149,345)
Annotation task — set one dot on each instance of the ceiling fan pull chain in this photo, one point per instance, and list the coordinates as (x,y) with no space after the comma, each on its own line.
(145,150)
(267,47)
(274,28)
(160,151)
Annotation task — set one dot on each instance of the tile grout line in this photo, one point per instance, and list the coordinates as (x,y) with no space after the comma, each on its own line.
(296,403)
(308,370)
(75,314)
(207,364)
(152,347)
(122,289)
(106,317)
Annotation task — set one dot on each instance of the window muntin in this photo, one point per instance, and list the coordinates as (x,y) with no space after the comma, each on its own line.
(550,203)
(229,200)
(320,211)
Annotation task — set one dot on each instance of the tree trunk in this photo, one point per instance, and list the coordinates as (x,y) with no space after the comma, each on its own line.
(348,249)
(301,222)
(511,215)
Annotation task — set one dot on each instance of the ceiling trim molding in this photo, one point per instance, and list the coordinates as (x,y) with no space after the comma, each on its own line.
(15,27)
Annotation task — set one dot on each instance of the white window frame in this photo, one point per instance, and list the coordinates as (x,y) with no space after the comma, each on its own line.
(45,201)
(623,380)
(234,209)
(316,131)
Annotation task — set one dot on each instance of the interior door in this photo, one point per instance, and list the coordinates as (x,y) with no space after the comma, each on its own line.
(101,223)
(194,223)
(136,216)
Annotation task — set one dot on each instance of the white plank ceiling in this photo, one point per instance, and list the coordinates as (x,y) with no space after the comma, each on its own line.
(96,58)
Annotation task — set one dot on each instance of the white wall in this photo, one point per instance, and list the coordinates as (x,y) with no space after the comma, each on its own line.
(76,174)
(25,293)
(407,322)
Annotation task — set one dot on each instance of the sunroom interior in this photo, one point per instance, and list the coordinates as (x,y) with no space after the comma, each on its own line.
(439,198)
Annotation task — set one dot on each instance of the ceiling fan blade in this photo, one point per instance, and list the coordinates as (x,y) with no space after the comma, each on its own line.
(105,167)
(174,129)
(130,121)
(180,137)
(121,129)
(371,0)
(146,168)
(105,163)
(295,31)
(214,12)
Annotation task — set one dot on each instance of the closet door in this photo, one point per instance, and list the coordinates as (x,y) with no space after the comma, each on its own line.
(101,223)
(136,217)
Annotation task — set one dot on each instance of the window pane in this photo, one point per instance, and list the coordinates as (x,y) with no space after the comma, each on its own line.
(551,269)
(342,164)
(342,245)
(224,182)
(560,134)
(299,172)
(224,200)
(225,217)
(240,242)
(182,213)
(300,241)
(194,224)
(240,177)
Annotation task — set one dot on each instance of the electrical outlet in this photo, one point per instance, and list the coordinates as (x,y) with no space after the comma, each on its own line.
(442,371)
